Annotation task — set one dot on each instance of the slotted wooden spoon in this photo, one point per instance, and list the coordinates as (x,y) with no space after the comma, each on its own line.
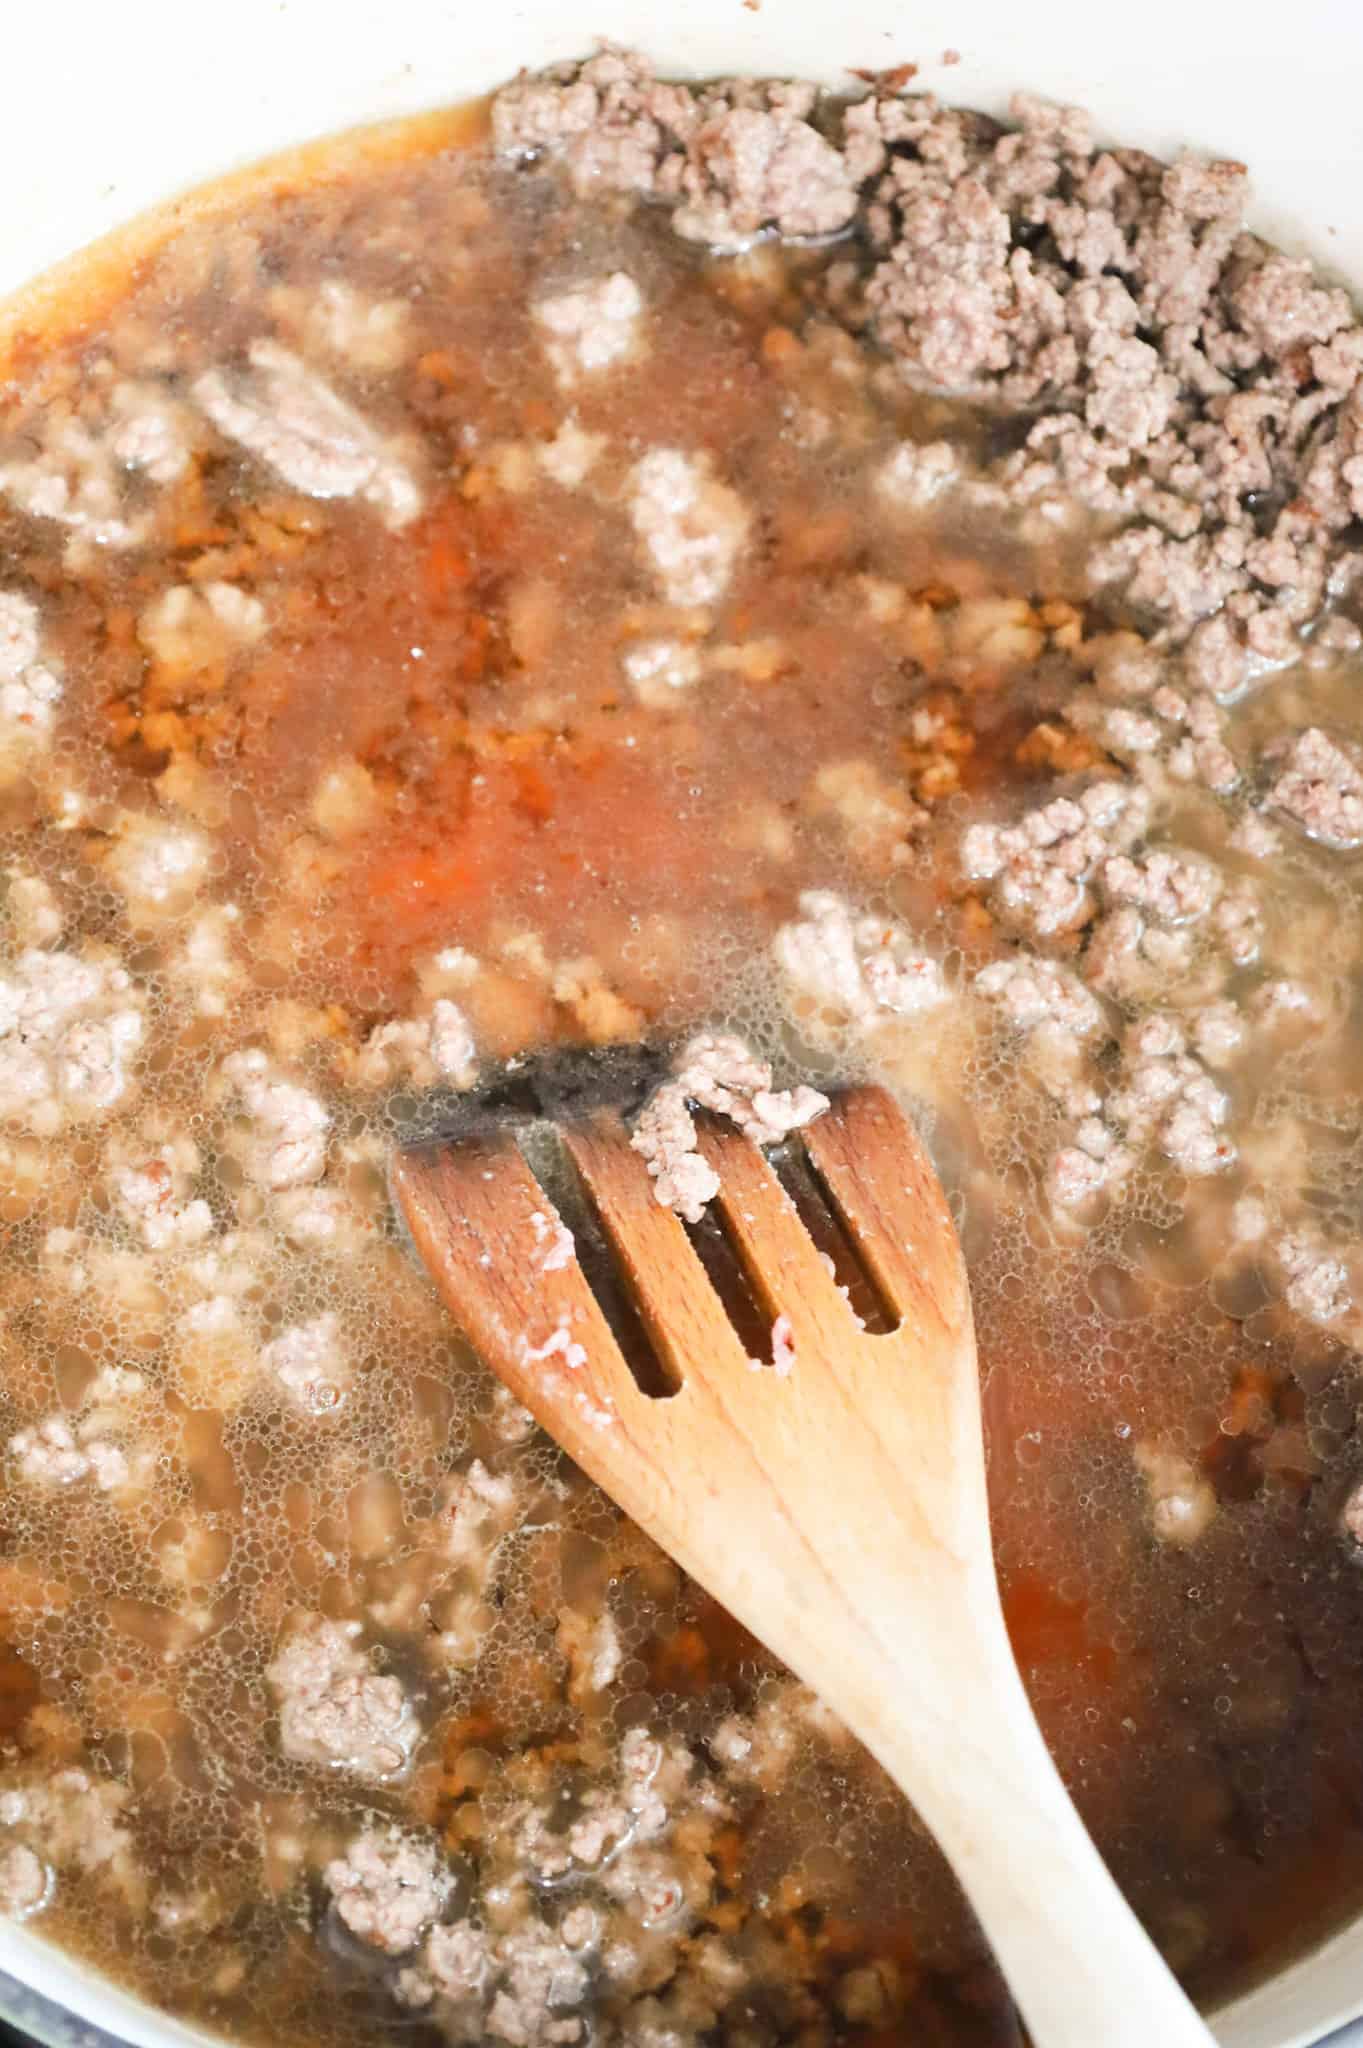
(839,1511)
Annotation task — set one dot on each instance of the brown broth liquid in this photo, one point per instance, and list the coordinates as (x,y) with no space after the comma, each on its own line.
(1202,1703)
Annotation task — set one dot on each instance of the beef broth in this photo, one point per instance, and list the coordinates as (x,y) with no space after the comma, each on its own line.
(605,578)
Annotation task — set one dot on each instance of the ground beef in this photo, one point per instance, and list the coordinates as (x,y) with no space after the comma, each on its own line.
(34,909)
(334,1708)
(1238,922)
(571,455)
(1168,886)
(1167,1096)
(1218,1033)
(1200,756)
(1090,1167)
(1321,788)
(29,688)
(1062,1025)
(1032,992)
(750,168)
(942,297)
(666,1137)
(1182,1500)
(477,1509)
(719,1073)
(25,1882)
(152,1191)
(49,1455)
(70,1027)
(63,1451)
(867,969)
(284,414)
(875,812)
(762,1748)
(1279,304)
(321,1219)
(423,1050)
(917,473)
(70,1821)
(387,1889)
(660,669)
(287,1140)
(591,328)
(310,1363)
(203,960)
(450,1043)
(368,334)
(1164,1098)
(690,525)
(1185,374)
(1040,868)
(1123,730)
(737,158)
(191,629)
(152,431)
(540,1979)
(458,1959)
(73,479)
(517,1987)
(1287,1012)
(1255,837)
(1316,1284)
(593,1651)
(156,866)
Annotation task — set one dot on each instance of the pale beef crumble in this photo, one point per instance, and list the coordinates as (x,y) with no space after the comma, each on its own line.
(714,1071)
(1042,868)
(1188,381)
(71,1822)
(690,525)
(737,159)
(76,476)
(863,969)
(25,1882)
(1321,789)
(310,1362)
(387,1889)
(285,1142)
(285,415)
(70,1027)
(334,1707)
(29,689)
(591,328)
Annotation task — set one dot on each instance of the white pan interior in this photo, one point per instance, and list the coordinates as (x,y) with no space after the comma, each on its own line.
(112,109)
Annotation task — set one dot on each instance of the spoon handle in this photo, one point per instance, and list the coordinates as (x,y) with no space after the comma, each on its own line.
(1080,1966)
(839,1510)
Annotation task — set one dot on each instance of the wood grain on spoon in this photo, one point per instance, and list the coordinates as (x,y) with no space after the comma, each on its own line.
(838,1511)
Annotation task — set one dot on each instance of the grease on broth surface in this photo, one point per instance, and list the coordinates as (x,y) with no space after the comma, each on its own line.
(442,618)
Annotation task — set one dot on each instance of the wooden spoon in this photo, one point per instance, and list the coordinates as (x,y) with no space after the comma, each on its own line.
(839,1511)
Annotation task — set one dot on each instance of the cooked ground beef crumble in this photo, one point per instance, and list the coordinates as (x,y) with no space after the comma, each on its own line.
(817,585)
